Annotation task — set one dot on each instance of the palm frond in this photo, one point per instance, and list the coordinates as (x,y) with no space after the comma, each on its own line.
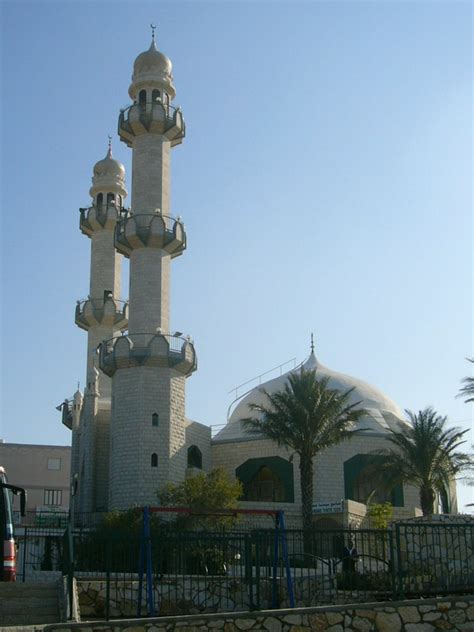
(468,388)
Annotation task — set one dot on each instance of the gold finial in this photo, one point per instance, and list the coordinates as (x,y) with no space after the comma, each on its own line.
(153,28)
(312,343)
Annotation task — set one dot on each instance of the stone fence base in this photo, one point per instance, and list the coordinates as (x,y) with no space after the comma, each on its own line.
(420,615)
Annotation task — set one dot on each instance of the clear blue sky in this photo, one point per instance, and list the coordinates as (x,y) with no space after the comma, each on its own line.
(325,183)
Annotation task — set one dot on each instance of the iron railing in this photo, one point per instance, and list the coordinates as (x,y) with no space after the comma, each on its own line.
(170,111)
(239,568)
(169,222)
(175,342)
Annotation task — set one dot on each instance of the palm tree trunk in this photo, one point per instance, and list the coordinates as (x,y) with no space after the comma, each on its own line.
(306,482)
(427,498)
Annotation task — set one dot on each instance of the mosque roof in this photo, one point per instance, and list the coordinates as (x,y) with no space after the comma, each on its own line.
(382,415)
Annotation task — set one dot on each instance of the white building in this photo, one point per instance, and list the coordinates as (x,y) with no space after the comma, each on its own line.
(129,427)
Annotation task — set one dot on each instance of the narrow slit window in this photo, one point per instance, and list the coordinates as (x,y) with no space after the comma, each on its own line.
(154,420)
(155,95)
(154,460)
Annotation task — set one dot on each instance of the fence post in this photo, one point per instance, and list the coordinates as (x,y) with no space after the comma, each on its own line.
(257,542)
(70,574)
(107,580)
(25,541)
(248,567)
(400,590)
(393,573)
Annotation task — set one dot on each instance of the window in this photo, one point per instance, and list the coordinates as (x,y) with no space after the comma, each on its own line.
(154,419)
(54,464)
(194,457)
(154,460)
(265,486)
(110,198)
(361,484)
(267,479)
(53,497)
(155,95)
(100,199)
(142,98)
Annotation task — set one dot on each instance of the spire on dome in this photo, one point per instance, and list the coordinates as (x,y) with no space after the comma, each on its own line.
(312,343)
(153,28)
(109,151)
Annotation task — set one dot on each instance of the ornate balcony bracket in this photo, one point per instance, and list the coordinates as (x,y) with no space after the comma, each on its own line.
(151,230)
(65,408)
(96,218)
(102,311)
(156,117)
(158,350)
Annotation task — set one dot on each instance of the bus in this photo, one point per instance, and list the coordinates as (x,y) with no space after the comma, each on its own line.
(8,560)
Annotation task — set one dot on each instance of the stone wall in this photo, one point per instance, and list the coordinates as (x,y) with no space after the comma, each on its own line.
(205,594)
(424,615)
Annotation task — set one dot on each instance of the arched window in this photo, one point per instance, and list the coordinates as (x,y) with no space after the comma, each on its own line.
(194,457)
(110,198)
(154,419)
(142,98)
(362,485)
(267,479)
(155,95)
(154,460)
(100,199)
(119,198)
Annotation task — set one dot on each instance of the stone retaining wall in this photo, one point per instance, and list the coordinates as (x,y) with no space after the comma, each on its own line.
(422,615)
(208,594)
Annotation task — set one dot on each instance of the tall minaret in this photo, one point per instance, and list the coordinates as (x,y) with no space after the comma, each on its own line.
(149,365)
(103,316)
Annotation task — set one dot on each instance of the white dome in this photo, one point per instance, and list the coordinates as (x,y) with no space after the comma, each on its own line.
(382,415)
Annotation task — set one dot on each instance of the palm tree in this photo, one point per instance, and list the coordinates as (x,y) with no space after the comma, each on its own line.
(307,416)
(425,455)
(468,388)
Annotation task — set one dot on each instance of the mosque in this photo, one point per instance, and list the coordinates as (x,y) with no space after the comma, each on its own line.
(130,433)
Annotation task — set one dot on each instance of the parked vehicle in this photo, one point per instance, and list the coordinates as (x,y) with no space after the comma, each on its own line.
(8,559)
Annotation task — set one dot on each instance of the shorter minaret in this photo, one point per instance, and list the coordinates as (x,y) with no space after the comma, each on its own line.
(103,315)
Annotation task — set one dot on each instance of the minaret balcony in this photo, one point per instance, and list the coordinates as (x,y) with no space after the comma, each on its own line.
(150,230)
(104,217)
(65,408)
(106,311)
(158,350)
(151,118)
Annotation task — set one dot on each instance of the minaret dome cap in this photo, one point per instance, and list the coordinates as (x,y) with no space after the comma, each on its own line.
(152,68)
(108,176)
(109,167)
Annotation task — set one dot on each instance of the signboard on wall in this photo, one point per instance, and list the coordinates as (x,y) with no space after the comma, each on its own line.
(328,508)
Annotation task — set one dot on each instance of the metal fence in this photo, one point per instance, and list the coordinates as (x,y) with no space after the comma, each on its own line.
(234,570)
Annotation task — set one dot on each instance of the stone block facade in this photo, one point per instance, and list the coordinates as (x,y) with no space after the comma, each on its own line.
(138,394)
(425,615)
